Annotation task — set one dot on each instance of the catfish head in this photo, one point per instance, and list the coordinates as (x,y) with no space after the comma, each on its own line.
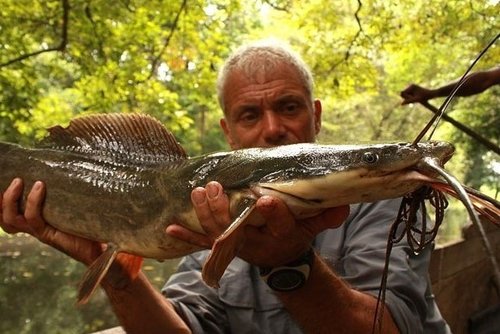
(310,177)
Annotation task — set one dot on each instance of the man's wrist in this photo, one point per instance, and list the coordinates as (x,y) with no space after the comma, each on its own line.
(290,276)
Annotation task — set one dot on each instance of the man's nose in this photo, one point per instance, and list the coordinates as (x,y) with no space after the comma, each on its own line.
(273,128)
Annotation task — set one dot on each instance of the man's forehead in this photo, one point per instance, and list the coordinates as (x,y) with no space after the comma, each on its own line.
(265,73)
(241,83)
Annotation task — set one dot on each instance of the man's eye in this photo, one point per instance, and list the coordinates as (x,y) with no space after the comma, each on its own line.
(249,116)
(290,107)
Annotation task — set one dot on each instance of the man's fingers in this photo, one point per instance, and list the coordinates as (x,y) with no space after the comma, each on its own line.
(203,211)
(11,220)
(4,226)
(211,205)
(33,211)
(219,205)
(10,198)
(31,220)
(280,220)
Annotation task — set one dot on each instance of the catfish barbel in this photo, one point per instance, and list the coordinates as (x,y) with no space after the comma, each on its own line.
(121,179)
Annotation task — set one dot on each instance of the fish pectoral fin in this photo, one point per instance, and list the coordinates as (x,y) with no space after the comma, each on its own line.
(226,247)
(95,273)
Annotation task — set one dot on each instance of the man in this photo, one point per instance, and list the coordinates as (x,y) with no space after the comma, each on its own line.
(266,93)
(475,83)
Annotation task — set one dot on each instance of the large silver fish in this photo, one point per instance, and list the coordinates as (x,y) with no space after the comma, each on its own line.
(121,179)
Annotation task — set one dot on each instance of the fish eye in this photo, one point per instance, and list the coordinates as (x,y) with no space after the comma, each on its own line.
(370,157)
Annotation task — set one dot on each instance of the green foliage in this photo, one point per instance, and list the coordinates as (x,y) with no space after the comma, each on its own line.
(131,56)
(162,58)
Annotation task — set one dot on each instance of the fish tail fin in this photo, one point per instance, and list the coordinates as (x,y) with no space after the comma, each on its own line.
(485,205)
(225,248)
(95,273)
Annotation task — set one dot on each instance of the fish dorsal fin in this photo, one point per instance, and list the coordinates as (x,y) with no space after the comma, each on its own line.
(131,137)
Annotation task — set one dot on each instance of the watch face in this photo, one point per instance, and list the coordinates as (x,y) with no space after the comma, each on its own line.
(286,280)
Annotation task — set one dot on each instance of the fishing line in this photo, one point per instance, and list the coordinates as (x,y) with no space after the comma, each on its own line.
(418,237)
(437,116)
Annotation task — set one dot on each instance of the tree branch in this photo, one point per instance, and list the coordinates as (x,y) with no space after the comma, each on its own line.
(88,14)
(276,7)
(468,131)
(126,4)
(351,44)
(156,60)
(60,47)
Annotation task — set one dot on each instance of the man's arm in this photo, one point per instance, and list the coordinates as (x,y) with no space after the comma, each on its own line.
(327,304)
(475,83)
(141,308)
(137,304)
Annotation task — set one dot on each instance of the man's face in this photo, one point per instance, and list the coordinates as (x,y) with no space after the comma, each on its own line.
(271,108)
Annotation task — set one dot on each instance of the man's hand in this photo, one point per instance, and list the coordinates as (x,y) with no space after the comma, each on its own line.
(279,239)
(282,238)
(415,93)
(32,222)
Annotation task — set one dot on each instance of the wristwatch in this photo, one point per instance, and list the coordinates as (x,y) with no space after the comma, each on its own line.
(291,276)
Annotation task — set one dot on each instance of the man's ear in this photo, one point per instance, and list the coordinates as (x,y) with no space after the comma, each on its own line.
(317,115)
(227,132)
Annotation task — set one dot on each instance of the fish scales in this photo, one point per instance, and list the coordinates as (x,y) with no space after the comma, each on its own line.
(99,201)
